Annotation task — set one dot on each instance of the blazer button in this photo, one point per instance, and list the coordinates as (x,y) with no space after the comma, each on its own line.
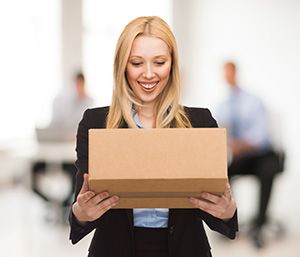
(171,230)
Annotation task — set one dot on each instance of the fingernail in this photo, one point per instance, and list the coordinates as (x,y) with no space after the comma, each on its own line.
(105,194)
(116,198)
(193,200)
(204,195)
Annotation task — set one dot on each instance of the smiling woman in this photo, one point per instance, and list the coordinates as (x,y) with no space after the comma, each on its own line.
(146,76)
(148,70)
(146,95)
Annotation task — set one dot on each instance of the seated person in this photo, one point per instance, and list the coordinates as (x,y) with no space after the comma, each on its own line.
(67,112)
(244,116)
(68,108)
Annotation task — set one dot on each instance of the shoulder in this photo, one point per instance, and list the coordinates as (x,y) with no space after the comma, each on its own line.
(97,111)
(196,110)
(251,100)
(200,117)
(95,117)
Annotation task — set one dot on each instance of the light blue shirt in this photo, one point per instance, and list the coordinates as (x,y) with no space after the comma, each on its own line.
(149,218)
(244,116)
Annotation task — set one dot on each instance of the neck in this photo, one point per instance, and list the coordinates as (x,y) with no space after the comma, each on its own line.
(147,115)
(146,111)
(233,84)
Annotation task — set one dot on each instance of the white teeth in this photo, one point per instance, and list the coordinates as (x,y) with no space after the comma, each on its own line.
(148,86)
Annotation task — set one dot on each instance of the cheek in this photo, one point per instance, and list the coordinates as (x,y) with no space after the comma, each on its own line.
(131,77)
(133,74)
(165,74)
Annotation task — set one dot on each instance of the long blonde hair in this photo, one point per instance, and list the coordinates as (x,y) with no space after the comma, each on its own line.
(169,113)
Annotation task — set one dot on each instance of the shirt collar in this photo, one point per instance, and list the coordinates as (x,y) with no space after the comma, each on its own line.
(136,117)
(137,120)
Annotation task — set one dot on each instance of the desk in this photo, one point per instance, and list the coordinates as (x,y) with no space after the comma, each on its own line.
(54,152)
(52,167)
(56,158)
(45,168)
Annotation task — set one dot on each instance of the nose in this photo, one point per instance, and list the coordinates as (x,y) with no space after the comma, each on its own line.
(148,73)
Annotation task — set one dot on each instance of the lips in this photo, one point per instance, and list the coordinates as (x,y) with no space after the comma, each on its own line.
(148,86)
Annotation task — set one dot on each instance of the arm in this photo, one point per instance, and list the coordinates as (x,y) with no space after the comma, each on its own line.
(220,213)
(240,147)
(88,207)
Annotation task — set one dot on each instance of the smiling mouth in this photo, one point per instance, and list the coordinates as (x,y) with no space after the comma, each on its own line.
(148,86)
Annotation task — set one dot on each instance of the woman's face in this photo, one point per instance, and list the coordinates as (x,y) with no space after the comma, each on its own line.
(148,68)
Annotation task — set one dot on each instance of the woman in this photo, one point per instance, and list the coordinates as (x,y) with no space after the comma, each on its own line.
(146,95)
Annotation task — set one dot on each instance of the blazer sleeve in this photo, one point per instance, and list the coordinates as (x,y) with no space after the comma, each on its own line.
(203,118)
(78,231)
(226,228)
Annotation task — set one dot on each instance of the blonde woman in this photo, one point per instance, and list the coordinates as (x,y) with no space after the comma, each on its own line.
(146,95)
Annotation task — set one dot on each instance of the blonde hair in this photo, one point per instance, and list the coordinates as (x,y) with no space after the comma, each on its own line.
(169,113)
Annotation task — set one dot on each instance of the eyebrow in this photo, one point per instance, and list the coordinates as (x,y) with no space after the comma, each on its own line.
(157,56)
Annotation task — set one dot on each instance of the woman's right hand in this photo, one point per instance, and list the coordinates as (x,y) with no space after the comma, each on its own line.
(90,206)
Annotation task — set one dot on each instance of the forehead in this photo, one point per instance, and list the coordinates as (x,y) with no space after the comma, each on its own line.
(229,66)
(145,46)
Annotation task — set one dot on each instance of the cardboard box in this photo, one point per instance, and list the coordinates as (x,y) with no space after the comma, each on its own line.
(157,168)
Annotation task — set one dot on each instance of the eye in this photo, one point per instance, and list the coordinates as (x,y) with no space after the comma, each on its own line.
(160,63)
(136,63)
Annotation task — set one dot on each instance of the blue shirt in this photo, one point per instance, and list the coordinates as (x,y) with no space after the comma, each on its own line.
(245,117)
(149,218)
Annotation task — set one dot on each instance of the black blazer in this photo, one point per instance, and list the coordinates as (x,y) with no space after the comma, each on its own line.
(114,230)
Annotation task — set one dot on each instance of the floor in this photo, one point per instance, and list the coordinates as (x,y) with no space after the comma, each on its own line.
(30,228)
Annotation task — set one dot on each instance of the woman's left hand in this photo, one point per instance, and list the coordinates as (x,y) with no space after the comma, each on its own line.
(222,207)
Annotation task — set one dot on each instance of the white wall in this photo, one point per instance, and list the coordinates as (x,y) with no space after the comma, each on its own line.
(29,65)
(103,23)
(263,37)
(71,40)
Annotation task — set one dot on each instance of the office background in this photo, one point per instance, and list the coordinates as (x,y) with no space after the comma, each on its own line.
(44,41)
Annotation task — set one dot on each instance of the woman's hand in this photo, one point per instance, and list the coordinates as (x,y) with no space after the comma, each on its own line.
(90,206)
(222,207)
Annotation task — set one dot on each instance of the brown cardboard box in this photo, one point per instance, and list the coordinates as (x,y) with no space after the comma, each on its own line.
(157,168)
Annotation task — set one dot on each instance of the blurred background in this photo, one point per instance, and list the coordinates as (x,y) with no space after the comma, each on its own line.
(45,42)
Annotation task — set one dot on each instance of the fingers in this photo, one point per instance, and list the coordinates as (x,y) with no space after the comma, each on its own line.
(210,197)
(98,198)
(227,192)
(98,210)
(85,195)
(217,199)
(90,199)
(83,198)
(90,206)
(222,207)
(204,205)
(85,185)
(107,204)
(95,207)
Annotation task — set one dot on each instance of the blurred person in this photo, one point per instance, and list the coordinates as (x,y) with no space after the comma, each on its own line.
(146,95)
(245,117)
(68,107)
